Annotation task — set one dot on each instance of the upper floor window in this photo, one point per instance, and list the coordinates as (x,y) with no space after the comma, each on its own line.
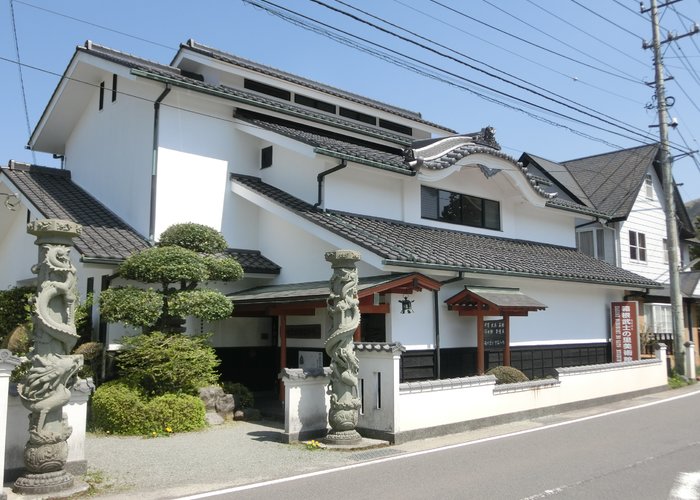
(591,242)
(457,208)
(649,187)
(264,88)
(638,246)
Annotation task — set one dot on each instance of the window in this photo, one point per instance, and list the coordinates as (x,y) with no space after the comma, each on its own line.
(396,127)
(638,246)
(266,89)
(591,242)
(102,96)
(445,206)
(658,318)
(357,116)
(314,103)
(114,88)
(649,187)
(266,157)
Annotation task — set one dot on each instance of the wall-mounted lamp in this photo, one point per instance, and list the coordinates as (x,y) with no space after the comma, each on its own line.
(11,201)
(406,305)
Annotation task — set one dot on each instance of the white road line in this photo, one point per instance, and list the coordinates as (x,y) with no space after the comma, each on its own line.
(686,487)
(434,450)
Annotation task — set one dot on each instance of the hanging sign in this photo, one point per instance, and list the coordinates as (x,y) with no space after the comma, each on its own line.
(624,333)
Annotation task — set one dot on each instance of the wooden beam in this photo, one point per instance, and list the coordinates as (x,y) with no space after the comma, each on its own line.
(480,344)
(372,309)
(283,350)
(506,350)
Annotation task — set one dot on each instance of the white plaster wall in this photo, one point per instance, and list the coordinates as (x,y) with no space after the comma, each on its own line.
(379,411)
(240,332)
(17,250)
(320,318)
(558,324)
(647,216)
(294,173)
(414,331)
(109,152)
(421,408)
(520,218)
(365,190)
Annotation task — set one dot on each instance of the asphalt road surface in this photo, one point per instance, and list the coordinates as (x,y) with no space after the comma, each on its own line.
(651,451)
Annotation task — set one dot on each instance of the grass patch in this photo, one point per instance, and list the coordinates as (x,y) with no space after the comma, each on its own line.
(676,381)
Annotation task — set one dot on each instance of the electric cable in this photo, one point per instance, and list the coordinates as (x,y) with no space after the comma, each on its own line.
(21,76)
(596,114)
(633,80)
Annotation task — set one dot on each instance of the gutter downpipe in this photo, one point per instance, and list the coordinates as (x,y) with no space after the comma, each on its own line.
(322,175)
(154,164)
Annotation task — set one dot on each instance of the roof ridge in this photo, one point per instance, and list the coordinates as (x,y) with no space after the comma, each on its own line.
(91,47)
(312,84)
(607,153)
(30,167)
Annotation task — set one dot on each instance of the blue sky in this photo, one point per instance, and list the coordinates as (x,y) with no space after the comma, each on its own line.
(582,54)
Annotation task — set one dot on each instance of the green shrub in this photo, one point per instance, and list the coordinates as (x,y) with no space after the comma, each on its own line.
(159,363)
(507,375)
(241,394)
(196,237)
(15,309)
(120,409)
(176,413)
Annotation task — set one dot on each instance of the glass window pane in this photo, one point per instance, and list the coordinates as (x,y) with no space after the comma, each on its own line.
(471,211)
(492,214)
(585,242)
(449,206)
(428,203)
(600,243)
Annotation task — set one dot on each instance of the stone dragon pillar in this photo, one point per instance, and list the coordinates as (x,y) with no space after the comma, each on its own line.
(46,387)
(344,315)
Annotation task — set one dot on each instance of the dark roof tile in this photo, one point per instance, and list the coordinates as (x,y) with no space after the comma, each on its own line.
(420,246)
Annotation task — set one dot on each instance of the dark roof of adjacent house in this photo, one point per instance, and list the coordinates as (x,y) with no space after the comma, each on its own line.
(253,261)
(417,246)
(105,236)
(612,181)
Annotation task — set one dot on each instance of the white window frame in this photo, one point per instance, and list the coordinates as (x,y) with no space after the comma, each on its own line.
(638,246)
(658,318)
(649,186)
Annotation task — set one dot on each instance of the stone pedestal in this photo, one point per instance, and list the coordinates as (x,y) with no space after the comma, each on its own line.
(690,360)
(344,315)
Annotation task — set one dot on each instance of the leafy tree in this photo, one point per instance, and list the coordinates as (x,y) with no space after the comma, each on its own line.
(187,255)
(695,249)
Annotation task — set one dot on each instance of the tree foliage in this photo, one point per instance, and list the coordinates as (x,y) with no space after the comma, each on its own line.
(187,255)
(160,363)
(695,249)
(15,309)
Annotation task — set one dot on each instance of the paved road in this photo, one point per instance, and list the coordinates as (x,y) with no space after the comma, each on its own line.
(627,453)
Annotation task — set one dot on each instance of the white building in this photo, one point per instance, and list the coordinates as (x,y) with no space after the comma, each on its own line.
(626,186)
(289,169)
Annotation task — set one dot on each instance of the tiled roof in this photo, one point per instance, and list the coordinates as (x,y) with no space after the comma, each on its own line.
(418,246)
(51,191)
(160,72)
(611,181)
(253,261)
(327,89)
(330,143)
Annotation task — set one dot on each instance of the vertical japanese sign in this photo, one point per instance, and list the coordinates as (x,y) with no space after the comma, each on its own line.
(625,337)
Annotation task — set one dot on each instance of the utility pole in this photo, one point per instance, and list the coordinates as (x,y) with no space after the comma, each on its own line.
(664,159)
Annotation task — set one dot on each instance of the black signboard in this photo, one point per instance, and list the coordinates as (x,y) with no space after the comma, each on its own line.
(494,334)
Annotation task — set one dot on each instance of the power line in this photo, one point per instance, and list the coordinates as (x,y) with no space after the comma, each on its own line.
(596,116)
(21,76)
(533,44)
(83,21)
(597,14)
(581,30)
(517,54)
(394,60)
